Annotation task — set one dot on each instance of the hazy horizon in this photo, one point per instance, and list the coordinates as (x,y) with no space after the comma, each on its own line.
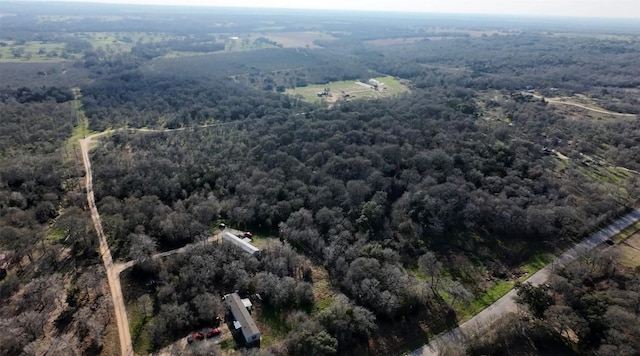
(628,9)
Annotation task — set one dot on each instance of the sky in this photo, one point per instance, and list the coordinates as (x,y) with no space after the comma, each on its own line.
(572,8)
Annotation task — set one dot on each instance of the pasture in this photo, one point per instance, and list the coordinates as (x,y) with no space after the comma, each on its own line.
(32,51)
(349,90)
(298,39)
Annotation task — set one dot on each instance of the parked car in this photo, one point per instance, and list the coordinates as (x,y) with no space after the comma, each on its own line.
(248,234)
(213,332)
(189,338)
(197,336)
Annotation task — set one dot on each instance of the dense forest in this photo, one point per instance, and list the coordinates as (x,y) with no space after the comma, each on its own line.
(381,222)
(45,233)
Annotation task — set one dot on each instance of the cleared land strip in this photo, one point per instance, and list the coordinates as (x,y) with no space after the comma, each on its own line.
(507,304)
(600,111)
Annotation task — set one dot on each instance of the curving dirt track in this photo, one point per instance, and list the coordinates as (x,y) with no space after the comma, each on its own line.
(600,111)
(113,276)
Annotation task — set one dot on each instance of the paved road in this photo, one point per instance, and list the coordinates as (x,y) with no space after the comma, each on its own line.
(507,304)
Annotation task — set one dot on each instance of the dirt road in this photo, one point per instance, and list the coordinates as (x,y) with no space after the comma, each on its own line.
(507,304)
(600,111)
(217,237)
(113,271)
(113,277)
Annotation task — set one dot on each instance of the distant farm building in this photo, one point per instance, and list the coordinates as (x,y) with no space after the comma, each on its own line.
(325,92)
(242,319)
(243,244)
(375,84)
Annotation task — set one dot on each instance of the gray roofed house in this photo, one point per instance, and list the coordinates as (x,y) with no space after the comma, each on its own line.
(241,315)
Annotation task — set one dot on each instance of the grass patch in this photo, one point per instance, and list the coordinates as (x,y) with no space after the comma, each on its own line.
(55,234)
(536,263)
(139,313)
(82,128)
(630,251)
(324,303)
(272,325)
(626,233)
(229,344)
(499,289)
(340,89)
(323,292)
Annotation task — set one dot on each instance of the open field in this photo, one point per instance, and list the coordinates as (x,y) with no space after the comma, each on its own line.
(244,43)
(298,39)
(598,36)
(394,41)
(67,18)
(349,89)
(49,51)
(32,51)
(122,42)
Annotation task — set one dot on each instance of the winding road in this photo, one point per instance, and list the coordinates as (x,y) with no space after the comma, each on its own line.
(113,276)
(507,304)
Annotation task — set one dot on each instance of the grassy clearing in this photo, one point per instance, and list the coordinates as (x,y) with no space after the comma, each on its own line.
(81,130)
(33,51)
(499,289)
(629,250)
(299,39)
(122,42)
(323,292)
(244,43)
(272,325)
(139,313)
(229,344)
(536,263)
(341,89)
(605,174)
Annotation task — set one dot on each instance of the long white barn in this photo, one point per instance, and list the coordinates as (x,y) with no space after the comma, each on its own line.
(244,245)
(249,329)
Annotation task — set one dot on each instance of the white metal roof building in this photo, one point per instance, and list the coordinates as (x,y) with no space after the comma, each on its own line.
(244,245)
(241,314)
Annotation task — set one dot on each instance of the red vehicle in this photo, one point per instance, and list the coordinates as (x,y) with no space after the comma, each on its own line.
(198,336)
(248,234)
(213,332)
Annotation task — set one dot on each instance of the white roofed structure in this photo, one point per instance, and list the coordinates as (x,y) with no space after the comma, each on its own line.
(243,318)
(244,245)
